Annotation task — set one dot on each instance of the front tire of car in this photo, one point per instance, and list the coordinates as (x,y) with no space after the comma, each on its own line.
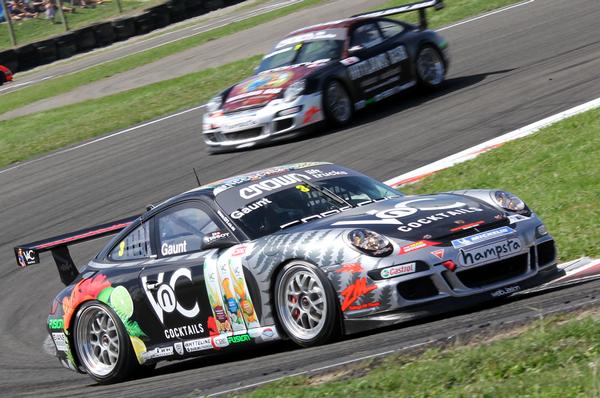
(102,344)
(306,304)
(337,103)
(430,67)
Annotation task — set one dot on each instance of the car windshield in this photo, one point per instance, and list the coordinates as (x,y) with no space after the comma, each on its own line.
(302,52)
(304,200)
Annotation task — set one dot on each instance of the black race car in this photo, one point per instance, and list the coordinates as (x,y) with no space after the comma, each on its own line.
(303,252)
(326,72)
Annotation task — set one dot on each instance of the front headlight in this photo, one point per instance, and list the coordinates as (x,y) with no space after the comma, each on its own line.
(214,104)
(370,242)
(294,90)
(508,201)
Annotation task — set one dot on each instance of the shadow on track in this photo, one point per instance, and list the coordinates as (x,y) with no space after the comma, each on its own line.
(390,106)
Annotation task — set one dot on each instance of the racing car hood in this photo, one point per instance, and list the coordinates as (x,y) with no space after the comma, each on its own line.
(264,87)
(414,218)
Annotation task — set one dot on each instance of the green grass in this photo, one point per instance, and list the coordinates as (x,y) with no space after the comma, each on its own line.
(559,357)
(31,135)
(556,171)
(454,10)
(30,30)
(69,82)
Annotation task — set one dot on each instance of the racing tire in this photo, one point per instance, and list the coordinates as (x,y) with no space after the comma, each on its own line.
(2,78)
(306,304)
(430,67)
(103,345)
(337,104)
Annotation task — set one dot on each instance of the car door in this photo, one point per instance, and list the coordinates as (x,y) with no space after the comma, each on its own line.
(173,285)
(376,60)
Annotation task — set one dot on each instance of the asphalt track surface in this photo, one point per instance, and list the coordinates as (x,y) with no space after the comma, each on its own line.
(509,69)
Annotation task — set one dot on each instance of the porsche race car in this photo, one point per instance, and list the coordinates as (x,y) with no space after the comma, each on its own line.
(6,75)
(327,72)
(306,252)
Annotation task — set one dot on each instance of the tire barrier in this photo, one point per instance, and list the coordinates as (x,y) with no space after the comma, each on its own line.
(144,23)
(27,56)
(124,28)
(177,10)
(46,51)
(105,33)
(9,59)
(161,16)
(85,39)
(66,45)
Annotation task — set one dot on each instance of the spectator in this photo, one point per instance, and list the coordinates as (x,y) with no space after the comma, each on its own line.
(50,6)
(17,11)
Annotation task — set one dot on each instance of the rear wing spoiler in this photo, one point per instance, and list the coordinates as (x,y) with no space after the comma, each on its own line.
(29,254)
(420,6)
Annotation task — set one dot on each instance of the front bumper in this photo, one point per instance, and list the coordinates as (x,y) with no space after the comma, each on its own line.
(431,288)
(277,119)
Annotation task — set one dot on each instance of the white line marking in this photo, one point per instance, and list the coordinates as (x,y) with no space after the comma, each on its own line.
(192,109)
(26,83)
(362,358)
(139,126)
(485,15)
(470,153)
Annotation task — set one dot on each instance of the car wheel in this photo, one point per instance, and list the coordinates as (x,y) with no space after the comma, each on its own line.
(2,78)
(306,304)
(431,69)
(337,103)
(102,344)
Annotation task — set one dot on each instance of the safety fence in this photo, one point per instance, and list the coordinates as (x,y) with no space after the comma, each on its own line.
(100,34)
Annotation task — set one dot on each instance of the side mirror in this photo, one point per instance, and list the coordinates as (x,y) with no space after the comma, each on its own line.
(218,240)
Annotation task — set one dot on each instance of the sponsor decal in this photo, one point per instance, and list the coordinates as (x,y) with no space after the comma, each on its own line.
(26,257)
(165,299)
(184,331)
(269,333)
(175,248)
(493,251)
(178,348)
(377,63)
(198,344)
(350,268)
(219,341)
(350,61)
(416,246)
(406,208)
(60,342)
(240,338)
(438,253)
(481,237)
(310,114)
(239,251)
(216,236)
(515,218)
(354,291)
(271,184)
(237,124)
(466,226)
(55,324)
(506,290)
(268,91)
(226,220)
(157,352)
(398,270)
(236,215)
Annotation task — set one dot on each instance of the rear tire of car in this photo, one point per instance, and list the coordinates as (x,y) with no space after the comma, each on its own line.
(337,103)
(430,67)
(306,304)
(102,344)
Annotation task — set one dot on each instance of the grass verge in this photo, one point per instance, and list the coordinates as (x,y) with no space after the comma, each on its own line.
(30,30)
(557,357)
(31,135)
(63,84)
(556,171)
